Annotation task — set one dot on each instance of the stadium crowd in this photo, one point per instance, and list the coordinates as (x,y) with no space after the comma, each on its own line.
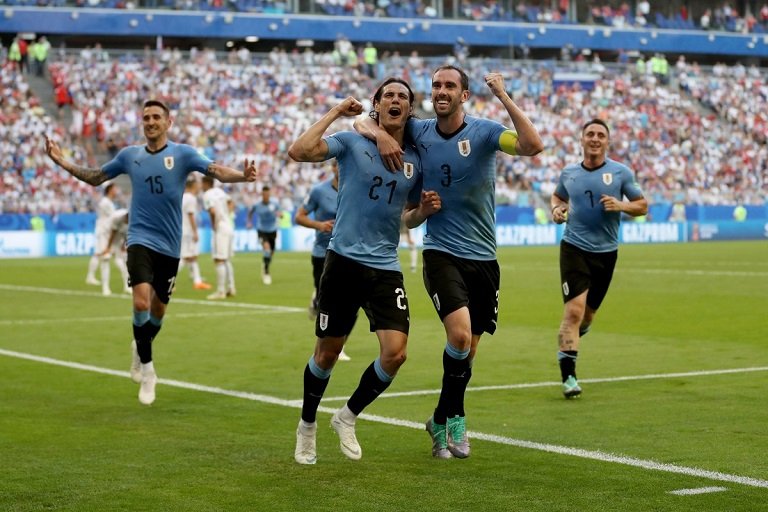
(617,13)
(700,139)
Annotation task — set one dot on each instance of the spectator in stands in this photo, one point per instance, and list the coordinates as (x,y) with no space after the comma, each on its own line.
(370,59)
(14,54)
(41,55)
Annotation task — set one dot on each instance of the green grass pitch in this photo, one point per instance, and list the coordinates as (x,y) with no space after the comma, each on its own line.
(658,414)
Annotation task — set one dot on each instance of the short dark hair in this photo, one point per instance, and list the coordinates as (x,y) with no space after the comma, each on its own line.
(157,103)
(463,76)
(596,121)
(108,187)
(377,95)
(265,188)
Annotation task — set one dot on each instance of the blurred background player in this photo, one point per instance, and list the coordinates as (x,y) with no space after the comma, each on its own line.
(104,210)
(220,206)
(190,238)
(407,238)
(118,234)
(267,213)
(321,202)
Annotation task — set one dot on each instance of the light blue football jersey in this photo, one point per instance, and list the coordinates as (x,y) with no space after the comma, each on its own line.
(371,200)
(157,182)
(267,215)
(461,167)
(322,202)
(589,226)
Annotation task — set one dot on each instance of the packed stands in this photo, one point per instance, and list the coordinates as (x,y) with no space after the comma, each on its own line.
(721,16)
(700,139)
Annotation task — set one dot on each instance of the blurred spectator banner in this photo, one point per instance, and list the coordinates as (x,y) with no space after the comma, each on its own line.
(35,244)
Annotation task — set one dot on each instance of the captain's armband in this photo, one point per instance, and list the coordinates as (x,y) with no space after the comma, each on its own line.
(508,142)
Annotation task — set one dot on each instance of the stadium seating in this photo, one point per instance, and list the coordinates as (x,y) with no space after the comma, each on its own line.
(699,139)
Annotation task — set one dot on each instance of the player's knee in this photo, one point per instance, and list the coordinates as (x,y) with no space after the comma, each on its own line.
(461,339)
(391,362)
(573,314)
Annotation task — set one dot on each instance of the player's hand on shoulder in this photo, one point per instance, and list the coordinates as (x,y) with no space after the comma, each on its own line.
(350,107)
(391,153)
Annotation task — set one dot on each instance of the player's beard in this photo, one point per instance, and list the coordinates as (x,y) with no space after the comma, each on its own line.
(450,109)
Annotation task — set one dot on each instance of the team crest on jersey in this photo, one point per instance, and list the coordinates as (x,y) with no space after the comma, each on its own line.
(168,161)
(607,178)
(323,321)
(464,148)
(408,170)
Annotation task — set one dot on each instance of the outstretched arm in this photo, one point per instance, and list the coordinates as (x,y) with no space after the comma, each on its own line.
(92,176)
(229,175)
(415,214)
(389,149)
(310,146)
(528,142)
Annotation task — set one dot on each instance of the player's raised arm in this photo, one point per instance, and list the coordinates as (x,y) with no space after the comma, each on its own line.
(527,142)
(310,146)
(92,176)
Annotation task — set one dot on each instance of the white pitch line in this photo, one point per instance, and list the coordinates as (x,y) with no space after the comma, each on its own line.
(693,272)
(699,490)
(545,447)
(525,385)
(663,271)
(124,318)
(208,303)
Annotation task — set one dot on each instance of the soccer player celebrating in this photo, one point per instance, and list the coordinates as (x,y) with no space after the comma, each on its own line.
(461,273)
(589,197)
(362,268)
(158,171)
